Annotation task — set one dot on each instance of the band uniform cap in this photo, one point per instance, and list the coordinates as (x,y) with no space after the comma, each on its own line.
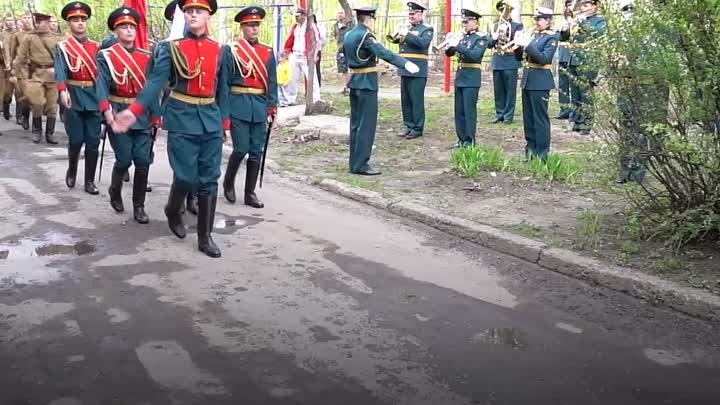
(589,1)
(469,14)
(366,11)
(300,11)
(123,15)
(41,17)
(170,10)
(413,6)
(250,14)
(209,5)
(543,12)
(76,9)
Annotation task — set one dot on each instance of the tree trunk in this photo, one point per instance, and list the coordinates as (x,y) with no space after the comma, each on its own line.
(310,57)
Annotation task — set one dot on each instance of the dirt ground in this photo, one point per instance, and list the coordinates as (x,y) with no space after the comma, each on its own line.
(589,216)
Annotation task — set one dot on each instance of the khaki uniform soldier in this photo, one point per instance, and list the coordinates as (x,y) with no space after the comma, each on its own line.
(5,39)
(22,109)
(34,67)
(5,65)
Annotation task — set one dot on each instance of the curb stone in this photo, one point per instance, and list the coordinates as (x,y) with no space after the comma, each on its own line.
(692,302)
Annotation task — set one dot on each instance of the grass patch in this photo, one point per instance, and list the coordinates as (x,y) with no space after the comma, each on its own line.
(557,168)
(589,225)
(469,161)
(528,230)
(359,182)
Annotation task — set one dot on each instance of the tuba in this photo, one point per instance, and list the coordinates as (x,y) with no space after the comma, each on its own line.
(504,28)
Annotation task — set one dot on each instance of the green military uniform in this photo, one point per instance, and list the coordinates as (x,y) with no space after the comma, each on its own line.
(414,47)
(121,75)
(470,50)
(5,67)
(35,68)
(565,95)
(76,73)
(253,98)
(536,83)
(194,115)
(362,50)
(505,67)
(22,108)
(582,70)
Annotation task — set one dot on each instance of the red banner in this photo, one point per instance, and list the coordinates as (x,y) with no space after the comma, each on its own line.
(141,40)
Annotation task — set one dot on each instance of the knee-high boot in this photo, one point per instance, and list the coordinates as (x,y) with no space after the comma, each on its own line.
(115,190)
(253,171)
(229,180)
(139,190)
(172,210)
(206,217)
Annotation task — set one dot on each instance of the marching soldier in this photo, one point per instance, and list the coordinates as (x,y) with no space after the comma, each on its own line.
(121,75)
(192,197)
(414,39)
(76,74)
(252,103)
(6,38)
(504,66)
(362,50)
(470,50)
(538,51)
(195,115)
(22,107)
(579,31)
(34,67)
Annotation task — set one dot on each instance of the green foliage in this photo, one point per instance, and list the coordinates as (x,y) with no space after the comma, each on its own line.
(556,168)
(468,161)
(589,225)
(662,99)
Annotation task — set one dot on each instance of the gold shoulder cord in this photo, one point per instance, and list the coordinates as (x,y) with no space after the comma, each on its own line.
(180,63)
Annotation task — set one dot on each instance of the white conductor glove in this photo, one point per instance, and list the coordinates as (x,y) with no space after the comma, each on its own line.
(411,67)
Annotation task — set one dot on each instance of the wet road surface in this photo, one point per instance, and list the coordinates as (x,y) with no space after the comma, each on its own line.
(316,300)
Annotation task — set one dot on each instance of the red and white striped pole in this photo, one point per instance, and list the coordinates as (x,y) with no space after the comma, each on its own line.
(448,26)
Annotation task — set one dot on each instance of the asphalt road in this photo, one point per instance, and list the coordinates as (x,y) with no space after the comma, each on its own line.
(316,300)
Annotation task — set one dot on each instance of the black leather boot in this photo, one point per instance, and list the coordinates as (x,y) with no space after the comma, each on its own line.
(6,111)
(19,113)
(206,218)
(26,116)
(253,170)
(139,190)
(126,176)
(73,156)
(50,131)
(192,203)
(90,167)
(172,211)
(36,129)
(115,190)
(229,180)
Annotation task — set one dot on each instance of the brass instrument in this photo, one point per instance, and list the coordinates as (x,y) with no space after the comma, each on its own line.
(570,10)
(504,29)
(449,37)
(400,30)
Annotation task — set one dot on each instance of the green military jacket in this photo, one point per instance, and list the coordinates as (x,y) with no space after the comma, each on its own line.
(34,58)
(414,47)
(470,51)
(538,57)
(581,36)
(362,51)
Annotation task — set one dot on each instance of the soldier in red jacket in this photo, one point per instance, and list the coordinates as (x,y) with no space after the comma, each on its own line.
(252,102)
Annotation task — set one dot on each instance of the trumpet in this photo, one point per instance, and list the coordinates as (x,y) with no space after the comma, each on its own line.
(400,30)
(449,37)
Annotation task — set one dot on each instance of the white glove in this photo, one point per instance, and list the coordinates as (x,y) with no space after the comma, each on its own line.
(411,67)
(454,41)
(522,39)
(404,30)
(495,35)
(581,18)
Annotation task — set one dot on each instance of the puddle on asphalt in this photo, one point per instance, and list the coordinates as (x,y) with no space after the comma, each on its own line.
(227,225)
(509,337)
(28,261)
(50,244)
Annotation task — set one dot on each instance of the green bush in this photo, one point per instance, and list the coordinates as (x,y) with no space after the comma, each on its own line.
(662,101)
